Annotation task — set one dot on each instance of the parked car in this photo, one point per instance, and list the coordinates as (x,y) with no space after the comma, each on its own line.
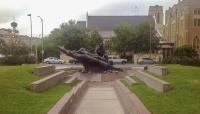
(74,61)
(113,59)
(53,60)
(142,61)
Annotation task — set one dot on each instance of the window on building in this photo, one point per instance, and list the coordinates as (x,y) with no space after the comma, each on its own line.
(108,45)
(197,22)
(195,11)
(158,18)
(196,43)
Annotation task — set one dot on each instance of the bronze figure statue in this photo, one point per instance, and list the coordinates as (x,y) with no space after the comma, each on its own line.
(92,62)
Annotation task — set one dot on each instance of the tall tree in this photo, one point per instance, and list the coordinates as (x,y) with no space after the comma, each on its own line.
(74,37)
(93,41)
(144,33)
(134,39)
(69,35)
(124,39)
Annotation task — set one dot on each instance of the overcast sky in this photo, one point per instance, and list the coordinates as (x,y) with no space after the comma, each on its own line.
(55,12)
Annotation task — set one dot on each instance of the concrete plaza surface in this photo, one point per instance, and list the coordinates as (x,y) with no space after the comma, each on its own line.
(99,100)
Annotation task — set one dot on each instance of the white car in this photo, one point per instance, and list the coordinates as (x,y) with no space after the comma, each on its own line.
(113,59)
(53,60)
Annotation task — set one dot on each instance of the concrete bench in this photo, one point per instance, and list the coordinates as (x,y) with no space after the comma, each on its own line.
(153,82)
(47,82)
(44,70)
(130,80)
(159,70)
(71,81)
(129,101)
(67,104)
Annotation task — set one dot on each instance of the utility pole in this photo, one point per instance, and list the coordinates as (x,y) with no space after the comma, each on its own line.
(150,51)
(31,31)
(36,54)
(42,38)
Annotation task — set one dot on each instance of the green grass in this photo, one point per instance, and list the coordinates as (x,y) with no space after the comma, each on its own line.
(183,99)
(15,98)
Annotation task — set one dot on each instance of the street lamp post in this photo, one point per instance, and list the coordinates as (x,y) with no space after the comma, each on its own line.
(42,38)
(150,50)
(31,31)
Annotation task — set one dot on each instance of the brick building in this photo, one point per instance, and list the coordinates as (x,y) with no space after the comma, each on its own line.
(182,24)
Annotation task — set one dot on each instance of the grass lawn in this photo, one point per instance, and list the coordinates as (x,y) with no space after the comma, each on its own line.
(183,99)
(15,98)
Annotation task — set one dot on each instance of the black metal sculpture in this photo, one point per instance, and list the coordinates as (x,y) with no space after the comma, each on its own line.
(92,62)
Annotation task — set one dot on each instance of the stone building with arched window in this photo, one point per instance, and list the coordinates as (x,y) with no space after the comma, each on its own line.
(182,24)
(196,43)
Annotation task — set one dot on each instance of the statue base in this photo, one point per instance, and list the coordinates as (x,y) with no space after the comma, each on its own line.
(100,77)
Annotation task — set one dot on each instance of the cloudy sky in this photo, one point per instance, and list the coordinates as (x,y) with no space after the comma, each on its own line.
(54,12)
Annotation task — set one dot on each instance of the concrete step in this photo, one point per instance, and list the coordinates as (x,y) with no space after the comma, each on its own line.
(130,80)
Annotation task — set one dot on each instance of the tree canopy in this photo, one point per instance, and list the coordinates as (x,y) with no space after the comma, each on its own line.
(134,39)
(73,37)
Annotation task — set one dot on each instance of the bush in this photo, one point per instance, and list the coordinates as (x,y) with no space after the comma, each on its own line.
(185,51)
(184,55)
(15,53)
(17,60)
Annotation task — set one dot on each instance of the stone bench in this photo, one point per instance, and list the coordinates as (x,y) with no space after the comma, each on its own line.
(44,70)
(47,82)
(67,104)
(130,80)
(129,101)
(159,70)
(153,82)
(71,81)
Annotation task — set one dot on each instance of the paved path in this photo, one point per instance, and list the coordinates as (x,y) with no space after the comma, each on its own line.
(99,100)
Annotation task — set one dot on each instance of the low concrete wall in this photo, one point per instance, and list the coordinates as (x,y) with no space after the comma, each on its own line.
(159,70)
(76,68)
(47,82)
(129,101)
(155,57)
(66,105)
(71,81)
(130,81)
(153,82)
(44,70)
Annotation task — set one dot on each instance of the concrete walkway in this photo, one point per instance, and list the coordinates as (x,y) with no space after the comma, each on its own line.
(99,100)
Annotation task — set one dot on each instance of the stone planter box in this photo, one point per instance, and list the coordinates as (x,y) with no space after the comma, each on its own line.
(47,82)
(153,82)
(159,70)
(44,70)
(67,104)
(129,101)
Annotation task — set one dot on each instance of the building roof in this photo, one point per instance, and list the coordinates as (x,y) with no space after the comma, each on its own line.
(107,23)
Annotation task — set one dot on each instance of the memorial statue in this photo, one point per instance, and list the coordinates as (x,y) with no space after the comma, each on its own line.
(92,62)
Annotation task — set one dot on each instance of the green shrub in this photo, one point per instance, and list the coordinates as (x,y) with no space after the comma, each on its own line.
(184,55)
(185,51)
(17,60)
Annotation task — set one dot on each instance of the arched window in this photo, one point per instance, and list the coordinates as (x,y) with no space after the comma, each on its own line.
(196,43)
